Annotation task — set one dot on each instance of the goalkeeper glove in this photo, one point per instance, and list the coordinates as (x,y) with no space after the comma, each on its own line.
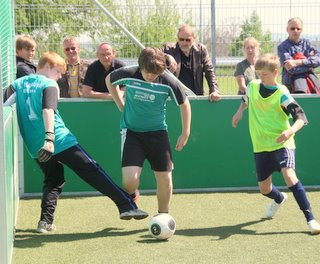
(46,152)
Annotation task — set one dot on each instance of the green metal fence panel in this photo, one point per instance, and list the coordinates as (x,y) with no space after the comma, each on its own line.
(8,181)
(7,49)
(8,198)
(217,156)
(221,25)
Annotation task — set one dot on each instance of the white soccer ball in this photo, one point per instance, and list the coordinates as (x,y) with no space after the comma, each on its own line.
(162,226)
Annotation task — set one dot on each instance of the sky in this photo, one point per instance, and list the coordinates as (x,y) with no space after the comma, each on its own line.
(273,14)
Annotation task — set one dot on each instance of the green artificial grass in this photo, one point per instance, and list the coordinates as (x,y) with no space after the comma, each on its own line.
(211,228)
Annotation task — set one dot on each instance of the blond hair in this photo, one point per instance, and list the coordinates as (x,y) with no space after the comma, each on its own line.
(53,59)
(268,61)
(71,39)
(251,40)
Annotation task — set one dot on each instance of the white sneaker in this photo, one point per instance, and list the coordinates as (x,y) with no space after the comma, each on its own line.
(44,227)
(273,206)
(314,227)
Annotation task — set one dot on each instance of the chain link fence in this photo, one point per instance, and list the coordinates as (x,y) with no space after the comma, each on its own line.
(220,25)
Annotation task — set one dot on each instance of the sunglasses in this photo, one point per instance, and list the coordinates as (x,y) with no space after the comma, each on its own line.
(68,49)
(295,28)
(185,39)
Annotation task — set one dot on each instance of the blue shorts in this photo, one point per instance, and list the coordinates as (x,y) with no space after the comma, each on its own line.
(269,162)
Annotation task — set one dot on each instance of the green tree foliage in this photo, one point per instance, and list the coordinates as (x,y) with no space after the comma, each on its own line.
(48,22)
(143,22)
(252,27)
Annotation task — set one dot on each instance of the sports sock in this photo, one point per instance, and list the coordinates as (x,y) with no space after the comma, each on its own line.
(275,194)
(301,197)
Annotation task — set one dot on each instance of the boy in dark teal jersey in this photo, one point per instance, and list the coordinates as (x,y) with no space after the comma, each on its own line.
(143,125)
(51,143)
(270,105)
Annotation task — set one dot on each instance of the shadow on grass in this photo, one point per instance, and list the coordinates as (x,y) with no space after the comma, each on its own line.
(29,238)
(221,232)
(224,232)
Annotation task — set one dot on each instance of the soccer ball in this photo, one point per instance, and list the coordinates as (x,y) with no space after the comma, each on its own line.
(162,226)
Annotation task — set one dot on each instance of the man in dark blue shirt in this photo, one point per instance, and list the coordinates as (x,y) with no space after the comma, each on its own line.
(298,58)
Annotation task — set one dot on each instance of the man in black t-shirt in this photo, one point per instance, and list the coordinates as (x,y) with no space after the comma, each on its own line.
(94,85)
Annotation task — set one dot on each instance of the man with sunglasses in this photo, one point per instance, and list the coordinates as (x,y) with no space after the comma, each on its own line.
(71,82)
(298,58)
(189,61)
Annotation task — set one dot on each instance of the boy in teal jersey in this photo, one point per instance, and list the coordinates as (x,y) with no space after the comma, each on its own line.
(143,124)
(270,106)
(51,143)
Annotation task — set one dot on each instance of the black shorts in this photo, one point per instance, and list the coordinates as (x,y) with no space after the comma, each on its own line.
(269,162)
(153,146)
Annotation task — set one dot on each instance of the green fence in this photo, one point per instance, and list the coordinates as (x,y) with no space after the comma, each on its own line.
(8,177)
(217,156)
(9,186)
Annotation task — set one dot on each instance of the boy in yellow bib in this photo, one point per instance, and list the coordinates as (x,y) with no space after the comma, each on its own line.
(270,106)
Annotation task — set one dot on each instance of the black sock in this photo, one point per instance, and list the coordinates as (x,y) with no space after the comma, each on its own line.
(301,197)
(275,194)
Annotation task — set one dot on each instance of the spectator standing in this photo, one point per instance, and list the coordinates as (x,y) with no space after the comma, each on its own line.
(298,58)
(25,50)
(70,83)
(190,62)
(245,70)
(94,85)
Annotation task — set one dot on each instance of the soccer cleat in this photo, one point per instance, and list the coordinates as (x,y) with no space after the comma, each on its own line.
(273,206)
(314,227)
(135,196)
(134,213)
(44,227)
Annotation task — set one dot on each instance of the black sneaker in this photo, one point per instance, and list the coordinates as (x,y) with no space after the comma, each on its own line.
(134,213)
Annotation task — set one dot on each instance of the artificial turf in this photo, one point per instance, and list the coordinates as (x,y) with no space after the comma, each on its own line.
(220,227)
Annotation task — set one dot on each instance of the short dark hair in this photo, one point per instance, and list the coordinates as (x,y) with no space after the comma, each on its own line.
(152,60)
(25,42)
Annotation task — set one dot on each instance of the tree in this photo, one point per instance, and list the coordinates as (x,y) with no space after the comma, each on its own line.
(224,36)
(252,27)
(48,22)
(151,22)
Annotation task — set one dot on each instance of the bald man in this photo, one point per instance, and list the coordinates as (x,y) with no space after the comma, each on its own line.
(298,58)
(94,85)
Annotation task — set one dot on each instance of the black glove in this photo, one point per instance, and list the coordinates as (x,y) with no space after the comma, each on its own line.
(46,152)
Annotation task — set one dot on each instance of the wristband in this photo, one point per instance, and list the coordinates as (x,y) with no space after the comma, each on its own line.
(49,136)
